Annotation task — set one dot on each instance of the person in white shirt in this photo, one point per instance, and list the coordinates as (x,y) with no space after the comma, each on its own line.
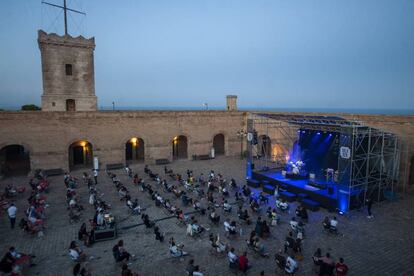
(100,219)
(294,224)
(226,206)
(334,223)
(232,258)
(227,227)
(291,265)
(95,176)
(12,211)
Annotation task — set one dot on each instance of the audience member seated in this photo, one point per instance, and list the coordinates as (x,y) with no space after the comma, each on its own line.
(280,260)
(302,213)
(246,191)
(185,199)
(226,206)
(275,218)
(230,228)
(334,224)
(176,250)
(326,223)
(291,265)
(243,215)
(254,205)
(13,262)
(282,205)
(233,184)
(134,206)
(76,253)
(119,252)
(216,244)
(294,224)
(263,198)
(259,247)
(214,217)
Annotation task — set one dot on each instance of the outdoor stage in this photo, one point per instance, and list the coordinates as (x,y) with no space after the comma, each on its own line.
(326,197)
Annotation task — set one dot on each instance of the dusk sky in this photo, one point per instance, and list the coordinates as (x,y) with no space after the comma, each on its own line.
(271,53)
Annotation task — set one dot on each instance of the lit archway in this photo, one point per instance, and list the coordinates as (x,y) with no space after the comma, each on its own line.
(265,146)
(219,144)
(14,160)
(134,150)
(179,147)
(80,155)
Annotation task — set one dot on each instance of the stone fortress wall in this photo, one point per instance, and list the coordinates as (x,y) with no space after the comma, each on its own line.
(48,135)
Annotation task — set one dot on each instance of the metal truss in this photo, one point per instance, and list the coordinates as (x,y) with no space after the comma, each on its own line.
(370,171)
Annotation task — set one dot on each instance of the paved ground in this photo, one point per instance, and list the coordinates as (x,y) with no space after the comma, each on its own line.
(381,246)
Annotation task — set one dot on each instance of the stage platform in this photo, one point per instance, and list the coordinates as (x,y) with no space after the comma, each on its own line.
(327,198)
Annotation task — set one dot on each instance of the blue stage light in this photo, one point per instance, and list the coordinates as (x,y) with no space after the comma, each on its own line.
(318,133)
(303,131)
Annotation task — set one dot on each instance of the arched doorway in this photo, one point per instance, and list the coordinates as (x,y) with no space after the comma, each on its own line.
(218,144)
(14,160)
(80,155)
(134,150)
(265,146)
(179,147)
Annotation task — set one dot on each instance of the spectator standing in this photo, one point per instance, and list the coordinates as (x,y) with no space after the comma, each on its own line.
(12,211)
(341,268)
(95,176)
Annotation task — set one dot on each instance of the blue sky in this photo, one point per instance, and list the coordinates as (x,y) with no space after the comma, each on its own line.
(271,53)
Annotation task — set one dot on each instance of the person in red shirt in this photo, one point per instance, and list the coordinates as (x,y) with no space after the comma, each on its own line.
(244,262)
(341,268)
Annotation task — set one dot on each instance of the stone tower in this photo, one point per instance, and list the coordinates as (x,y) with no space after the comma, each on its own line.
(231,102)
(68,72)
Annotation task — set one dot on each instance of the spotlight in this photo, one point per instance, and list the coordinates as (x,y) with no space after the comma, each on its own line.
(341,213)
(318,133)
(303,131)
(330,134)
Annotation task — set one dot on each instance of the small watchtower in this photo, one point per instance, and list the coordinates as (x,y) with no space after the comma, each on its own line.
(231,102)
(67,70)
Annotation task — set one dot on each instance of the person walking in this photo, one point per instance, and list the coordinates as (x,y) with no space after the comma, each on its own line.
(369,206)
(12,211)
(95,176)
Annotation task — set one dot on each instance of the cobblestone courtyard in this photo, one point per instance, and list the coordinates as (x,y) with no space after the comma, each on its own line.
(380,246)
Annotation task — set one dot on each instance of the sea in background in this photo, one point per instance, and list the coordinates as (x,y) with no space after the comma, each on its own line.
(276,109)
(260,109)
